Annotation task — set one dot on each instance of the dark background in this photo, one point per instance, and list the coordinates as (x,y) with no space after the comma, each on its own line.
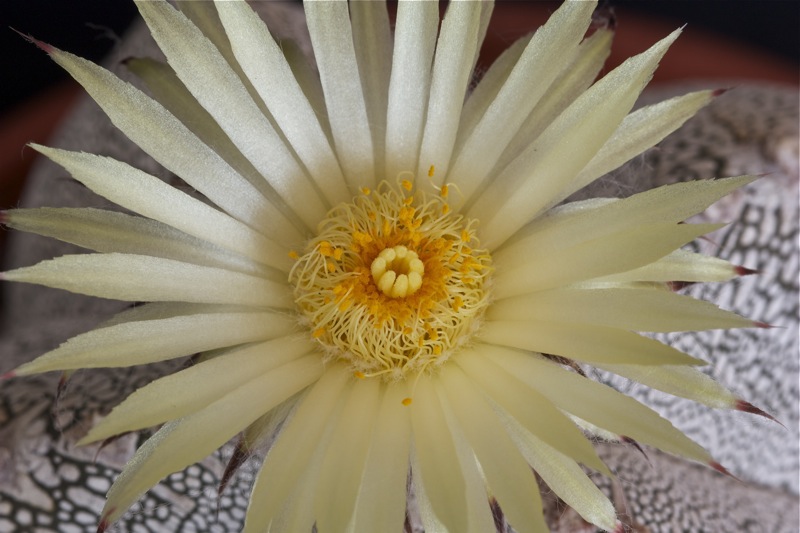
(89,28)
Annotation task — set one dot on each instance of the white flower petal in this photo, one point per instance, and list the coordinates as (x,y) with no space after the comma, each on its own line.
(288,458)
(145,122)
(267,69)
(571,83)
(332,39)
(409,85)
(565,478)
(372,39)
(340,473)
(204,71)
(639,309)
(584,342)
(136,278)
(199,385)
(547,166)
(680,265)
(381,503)
(452,66)
(536,69)
(188,440)
(308,80)
(582,221)
(626,250)
(598,404)
(529,407)
(109,232)
(683,381)
(639,131)
(439,468)
(149,196)
(507,474)
(148,341)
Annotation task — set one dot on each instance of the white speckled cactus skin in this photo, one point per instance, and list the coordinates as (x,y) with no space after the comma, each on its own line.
(46,484)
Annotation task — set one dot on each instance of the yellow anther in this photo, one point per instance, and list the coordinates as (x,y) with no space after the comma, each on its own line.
(407,185)
(437,350)
(365,191)
(331,267)
(317,333)
(431,171)
(458,302)
(337,253)
(359,375)
(443,192)
(445,209)
(293,255)
(406,401)
(465,236)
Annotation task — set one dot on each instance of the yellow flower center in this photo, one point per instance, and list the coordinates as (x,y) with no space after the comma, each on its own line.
(393,282)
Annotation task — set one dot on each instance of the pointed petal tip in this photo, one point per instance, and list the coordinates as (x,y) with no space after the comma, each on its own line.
(744,271)
(722,470)
(676,286)
(631,442)
(747,407)
(240,454)
(48,49)
(3,216)
(104,522)
(719,92)
(762,325)
(619,528)
(11,373)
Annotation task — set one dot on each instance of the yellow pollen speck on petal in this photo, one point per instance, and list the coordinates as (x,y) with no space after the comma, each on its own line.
(293,255)
(389,286)
(406,401)
(431,171)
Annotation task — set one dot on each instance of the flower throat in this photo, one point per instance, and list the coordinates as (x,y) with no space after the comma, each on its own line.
(393,281)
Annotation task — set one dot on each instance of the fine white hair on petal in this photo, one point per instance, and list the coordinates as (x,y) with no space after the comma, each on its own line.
(267,69)
(381,503)
(208,76)
(532,180)
(332,39)
(409,84)
(148,341)
(540,63)
(452,67)
(188,440)
(288,458)
(137,278)
(507,474)
(195,387)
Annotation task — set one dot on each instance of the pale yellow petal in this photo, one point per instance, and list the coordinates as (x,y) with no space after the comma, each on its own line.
(195,387)
(188,440)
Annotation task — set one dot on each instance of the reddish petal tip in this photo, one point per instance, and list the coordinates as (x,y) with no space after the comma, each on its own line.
(744,271)
(747,407)
(722,470)
(3,216)
(619,528)
(676,286)
(41,44)
(240,455)
(8,375)
(762,325)
(720,92)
